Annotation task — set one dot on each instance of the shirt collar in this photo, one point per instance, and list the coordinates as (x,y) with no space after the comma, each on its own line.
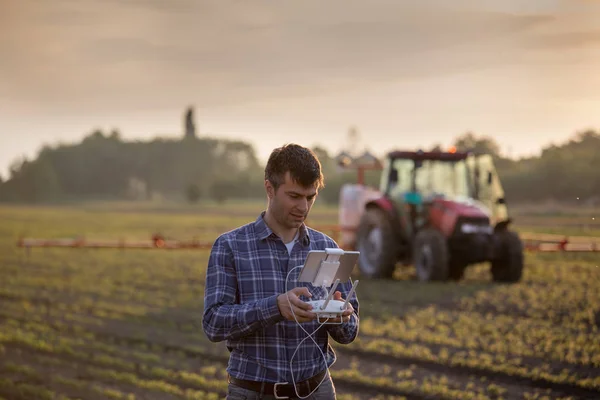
(263,231)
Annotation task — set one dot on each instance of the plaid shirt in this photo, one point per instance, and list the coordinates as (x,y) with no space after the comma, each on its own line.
(247,270)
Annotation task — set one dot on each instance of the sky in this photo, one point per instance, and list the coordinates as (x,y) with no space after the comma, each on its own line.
(405,74)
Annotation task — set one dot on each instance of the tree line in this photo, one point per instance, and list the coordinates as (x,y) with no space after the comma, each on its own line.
(103,166)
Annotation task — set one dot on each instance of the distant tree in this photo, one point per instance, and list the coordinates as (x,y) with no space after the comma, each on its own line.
(45,182)
(320,152)
(96,134)
(32,181)
(193,193)
(17,166)
(115,135)
(327,162)
(221,190)
(482,144)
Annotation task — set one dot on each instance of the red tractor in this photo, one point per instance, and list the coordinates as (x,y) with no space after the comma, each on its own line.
(438,211)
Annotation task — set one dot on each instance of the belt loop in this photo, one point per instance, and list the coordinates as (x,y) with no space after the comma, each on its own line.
(262,390)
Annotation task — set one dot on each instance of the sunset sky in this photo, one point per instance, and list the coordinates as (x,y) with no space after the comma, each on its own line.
(422,72)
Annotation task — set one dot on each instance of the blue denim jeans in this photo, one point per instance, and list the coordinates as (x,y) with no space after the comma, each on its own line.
(326,391)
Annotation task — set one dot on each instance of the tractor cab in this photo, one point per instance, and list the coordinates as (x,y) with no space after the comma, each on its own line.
(417,178)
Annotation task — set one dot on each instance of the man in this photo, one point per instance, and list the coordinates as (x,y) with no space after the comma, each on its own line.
(246,302)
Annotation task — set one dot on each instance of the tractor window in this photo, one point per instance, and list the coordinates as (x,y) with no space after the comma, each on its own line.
(489,192)
(404,170)
(442,178)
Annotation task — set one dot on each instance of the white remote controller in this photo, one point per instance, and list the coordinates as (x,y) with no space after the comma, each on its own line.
(327,309)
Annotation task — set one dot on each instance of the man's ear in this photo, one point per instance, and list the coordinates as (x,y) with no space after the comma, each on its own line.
(269,189)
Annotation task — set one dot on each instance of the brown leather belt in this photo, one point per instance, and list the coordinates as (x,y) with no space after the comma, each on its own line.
(281,390)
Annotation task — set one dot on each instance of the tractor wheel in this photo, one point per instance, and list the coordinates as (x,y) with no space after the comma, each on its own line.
(508,265)
(376,243)
(431,255)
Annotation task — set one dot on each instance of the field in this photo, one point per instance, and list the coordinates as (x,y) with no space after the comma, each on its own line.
(126,324)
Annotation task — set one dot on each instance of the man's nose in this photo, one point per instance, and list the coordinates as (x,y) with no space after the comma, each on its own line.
(303,205)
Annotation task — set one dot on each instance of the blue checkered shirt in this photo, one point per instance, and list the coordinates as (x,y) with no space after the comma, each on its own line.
(247,270)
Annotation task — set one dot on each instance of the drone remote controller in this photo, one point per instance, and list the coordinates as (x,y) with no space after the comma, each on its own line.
(330,308)
(327,308)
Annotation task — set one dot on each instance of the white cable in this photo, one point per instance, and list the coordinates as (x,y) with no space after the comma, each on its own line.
(309,336)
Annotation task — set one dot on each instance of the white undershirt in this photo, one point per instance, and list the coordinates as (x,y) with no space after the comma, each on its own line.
(290,245)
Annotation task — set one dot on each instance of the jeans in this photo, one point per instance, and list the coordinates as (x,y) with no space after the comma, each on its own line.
(326,391)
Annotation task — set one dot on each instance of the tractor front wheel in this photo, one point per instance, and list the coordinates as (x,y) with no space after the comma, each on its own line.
(507,266)
(431,255)
(377,244)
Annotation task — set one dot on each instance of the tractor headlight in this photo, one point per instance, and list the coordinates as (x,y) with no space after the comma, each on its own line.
(472,228)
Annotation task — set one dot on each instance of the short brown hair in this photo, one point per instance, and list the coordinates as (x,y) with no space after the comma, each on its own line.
(301,162)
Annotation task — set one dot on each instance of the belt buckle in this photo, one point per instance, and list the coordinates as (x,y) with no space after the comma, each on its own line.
(275,390)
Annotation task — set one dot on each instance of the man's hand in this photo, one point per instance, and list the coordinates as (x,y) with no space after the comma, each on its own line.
(301,308)
(347,312)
